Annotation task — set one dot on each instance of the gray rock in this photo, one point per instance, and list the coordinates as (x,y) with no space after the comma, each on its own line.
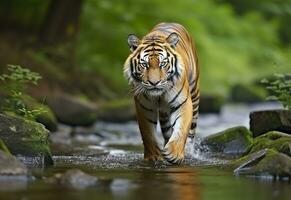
(267,162)
(270,120)
(210,103)
(233,141)
(119,111)
(26,139)
(74,178)
(9,165)
(73,111)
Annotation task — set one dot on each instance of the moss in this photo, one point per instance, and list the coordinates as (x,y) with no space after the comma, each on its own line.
(230,134)
(25,137)
(236,139)
(47,117)
(273,140)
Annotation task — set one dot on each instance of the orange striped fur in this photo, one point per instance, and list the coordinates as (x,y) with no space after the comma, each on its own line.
(164,74)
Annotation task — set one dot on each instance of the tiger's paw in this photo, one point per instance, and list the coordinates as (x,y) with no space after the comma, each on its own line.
(153,158)
(153,154)
(173,153)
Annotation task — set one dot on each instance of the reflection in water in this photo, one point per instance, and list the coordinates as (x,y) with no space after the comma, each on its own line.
(186,185)
(10,183)
(171,183)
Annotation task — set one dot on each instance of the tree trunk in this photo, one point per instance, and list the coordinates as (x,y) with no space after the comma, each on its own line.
(61,22)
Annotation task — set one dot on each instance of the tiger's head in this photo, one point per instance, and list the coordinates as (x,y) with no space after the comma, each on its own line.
(154,64)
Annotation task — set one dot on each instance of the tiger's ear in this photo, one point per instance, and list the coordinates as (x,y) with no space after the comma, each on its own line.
(133,42)
(173,39)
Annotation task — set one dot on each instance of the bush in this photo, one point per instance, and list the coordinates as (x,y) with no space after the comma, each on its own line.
(15,82)
(280,87)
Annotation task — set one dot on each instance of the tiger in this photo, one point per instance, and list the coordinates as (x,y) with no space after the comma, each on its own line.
(162,70)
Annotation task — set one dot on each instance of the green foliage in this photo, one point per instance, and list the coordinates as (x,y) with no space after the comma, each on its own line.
(20,76)
(280,87)
(270,9)
(231,48)
(15,82)
(28,14)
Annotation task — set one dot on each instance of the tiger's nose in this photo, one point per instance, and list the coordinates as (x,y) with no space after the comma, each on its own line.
(154,83)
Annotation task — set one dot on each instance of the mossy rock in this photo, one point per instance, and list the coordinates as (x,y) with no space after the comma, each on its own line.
(120,110)
(247,93)
(47,118)
(272,140)
(264,162)
(72,110)
(26,139)
(234,140)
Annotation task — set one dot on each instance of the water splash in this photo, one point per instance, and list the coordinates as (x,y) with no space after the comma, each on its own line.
(196,152)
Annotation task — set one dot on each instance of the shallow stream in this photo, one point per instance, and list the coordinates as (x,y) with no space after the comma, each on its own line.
(113,153)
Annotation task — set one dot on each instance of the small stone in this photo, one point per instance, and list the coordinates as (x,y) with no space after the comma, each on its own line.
(10,166)
(77,179)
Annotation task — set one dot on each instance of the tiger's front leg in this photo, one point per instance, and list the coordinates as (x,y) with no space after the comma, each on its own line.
(147,121)
(181,120)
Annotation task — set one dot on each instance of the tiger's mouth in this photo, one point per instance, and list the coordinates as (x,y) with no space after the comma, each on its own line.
(155,90)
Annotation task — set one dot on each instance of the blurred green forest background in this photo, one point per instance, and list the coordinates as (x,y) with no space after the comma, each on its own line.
(79,46)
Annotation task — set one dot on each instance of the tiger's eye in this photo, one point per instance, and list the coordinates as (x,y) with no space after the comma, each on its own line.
(144,65)
(163,64)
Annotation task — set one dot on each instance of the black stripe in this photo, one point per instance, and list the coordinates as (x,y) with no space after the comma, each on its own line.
(165,129)
(153,49)
(194,92)
(176,67)
(192,82)
(195,98)
(134,74)
(152,44)
(163,115)
(175,108)
(173,100)
(152,121)
(163,121)
(193,125)
(146,97)
(144,107)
